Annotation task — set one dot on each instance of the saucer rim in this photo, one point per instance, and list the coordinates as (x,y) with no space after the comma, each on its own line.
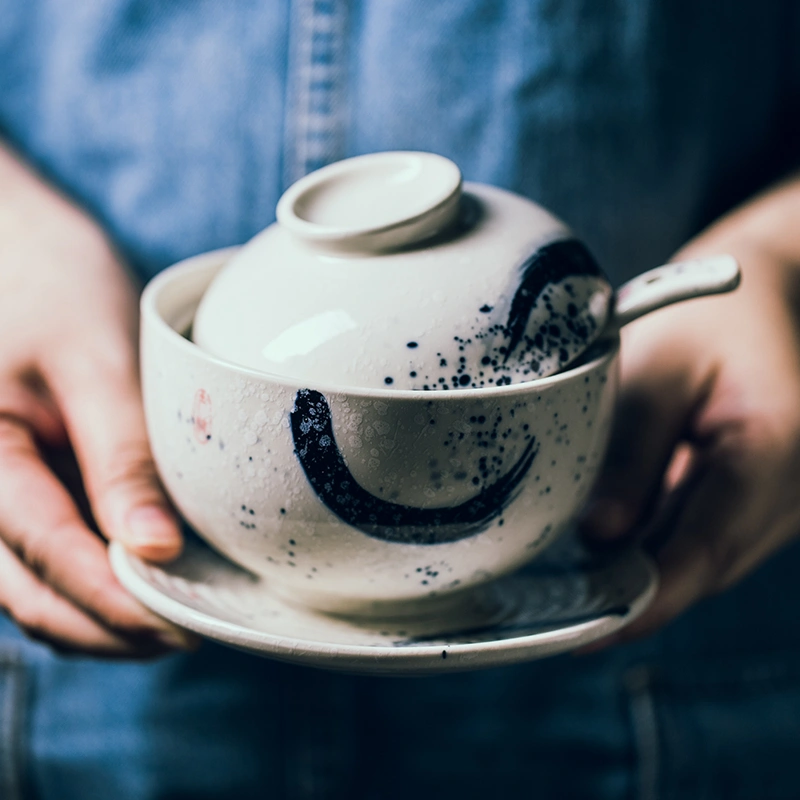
(376,659)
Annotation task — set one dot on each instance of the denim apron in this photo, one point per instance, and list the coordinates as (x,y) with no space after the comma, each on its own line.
(178,124)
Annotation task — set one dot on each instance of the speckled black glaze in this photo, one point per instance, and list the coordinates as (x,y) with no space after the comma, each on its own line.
(331,479)
(504,345)
(553,263)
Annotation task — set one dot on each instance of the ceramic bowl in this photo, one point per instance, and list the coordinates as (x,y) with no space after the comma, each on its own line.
(352,501)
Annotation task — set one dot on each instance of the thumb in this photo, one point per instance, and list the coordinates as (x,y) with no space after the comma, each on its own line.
(656,399)
(99,396)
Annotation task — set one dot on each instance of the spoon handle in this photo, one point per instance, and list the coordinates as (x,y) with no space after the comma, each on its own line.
(672,283)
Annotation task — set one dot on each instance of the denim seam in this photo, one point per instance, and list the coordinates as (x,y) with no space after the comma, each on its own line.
(316,101)
(11,689)
(638,683)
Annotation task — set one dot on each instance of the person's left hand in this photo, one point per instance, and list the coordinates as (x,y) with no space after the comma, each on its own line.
(704,460)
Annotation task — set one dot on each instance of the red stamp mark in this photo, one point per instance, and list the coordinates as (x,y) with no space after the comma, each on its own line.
(201,411)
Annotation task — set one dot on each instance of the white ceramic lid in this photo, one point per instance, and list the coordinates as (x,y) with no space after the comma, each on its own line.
(382,273)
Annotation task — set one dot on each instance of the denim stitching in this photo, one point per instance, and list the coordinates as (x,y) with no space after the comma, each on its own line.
(11,687)
(316,100)
(638,683)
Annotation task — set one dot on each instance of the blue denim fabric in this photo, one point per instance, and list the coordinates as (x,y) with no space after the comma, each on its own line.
(708,709)
(178,124)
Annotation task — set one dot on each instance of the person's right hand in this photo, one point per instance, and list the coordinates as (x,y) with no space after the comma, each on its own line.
(69,376)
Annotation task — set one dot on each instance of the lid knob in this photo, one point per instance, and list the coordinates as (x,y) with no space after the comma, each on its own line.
(375,202)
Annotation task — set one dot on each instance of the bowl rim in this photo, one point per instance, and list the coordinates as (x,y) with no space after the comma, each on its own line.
(152,320)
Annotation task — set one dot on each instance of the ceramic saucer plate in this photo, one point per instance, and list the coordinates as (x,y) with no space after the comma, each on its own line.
(566,598)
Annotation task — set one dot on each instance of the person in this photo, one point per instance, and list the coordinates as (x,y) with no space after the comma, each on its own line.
(139,133)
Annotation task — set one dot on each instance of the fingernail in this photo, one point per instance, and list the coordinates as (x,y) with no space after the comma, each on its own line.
(152,527)
(605,518)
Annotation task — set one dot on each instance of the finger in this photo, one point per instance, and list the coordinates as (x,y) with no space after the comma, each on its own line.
(45,616)
(98,392)
(684,565)
(715,529)
(721,532)
(42,526)
(651,415)
(679,466)
(21,402)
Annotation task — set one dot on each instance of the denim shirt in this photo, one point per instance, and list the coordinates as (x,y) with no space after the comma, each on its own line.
(178,124)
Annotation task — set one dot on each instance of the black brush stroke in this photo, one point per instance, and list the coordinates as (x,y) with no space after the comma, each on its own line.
(551,263)
(328,474)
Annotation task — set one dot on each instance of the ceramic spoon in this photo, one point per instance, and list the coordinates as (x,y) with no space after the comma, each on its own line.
(647,292)
(673,283)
